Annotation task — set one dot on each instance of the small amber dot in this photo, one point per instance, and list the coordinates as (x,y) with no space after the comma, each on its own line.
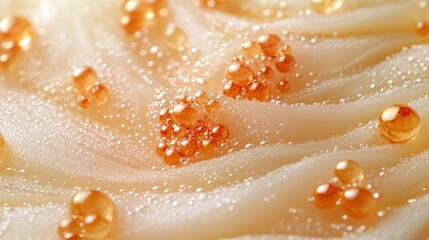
(166,131)
(220,133)
(422,28)
(266,72)
(212,105)
(240,73)
(84,102)
(179,131)
(285,62)
(349,171)
(95,227)
(283,86)
(208,146)
(188,147)
(251,48)
(270,44)
(258,91)
(399,123)
(172,157)
(201,97)
(358,202)
(232,90)
(185,114)
(160,148)
(201,131)
(92,202)
(98,94)
(327,6)
(326,195)
(84,78)
(17,30)
(69,228)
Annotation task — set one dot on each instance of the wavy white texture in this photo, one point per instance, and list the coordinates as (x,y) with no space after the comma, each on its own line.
(53,148)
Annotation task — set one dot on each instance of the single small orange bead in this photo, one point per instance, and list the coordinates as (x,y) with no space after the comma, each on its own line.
(131,24)
(285,63)
(172,157)
(240,73)
(69,228)
(251,48)
(349,171)
(84,102)
(270,44)
(266,73)
(99,94)
(164,115)
(232,90)
(166,131)
(185,114)
(18,30)
(359,202)
(95,227)
(179,131)
(161,148)
(188,147)
(208,146)
(201,132)
(84,78)
(283,86)
(399,123)
(212,105)
(422,28)
(257,91)
(92,202)
(220,133)
(326,195)
(201,97)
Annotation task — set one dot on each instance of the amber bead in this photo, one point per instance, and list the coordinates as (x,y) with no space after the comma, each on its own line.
(179,131)
(266,72)
(166,131)
(349,171)
(98,94)
(188,147)
(84,78)
(399,123)
(422,28)
(16,29)
(172,157)
(327,6)
(250,48)
(285,62)
(270,44)
(201,131)
(220,133)
(258,91)
(164,115)
(201,97)
(283,86)
(326,195)
(185,114)
(358,202)
(232,90)
(2,143)
(161,148)
(131,24)
(212,105)
(95,227)
(83,102)
(92,202)
(69,228)
(208,146)
(240,73)
(174,36)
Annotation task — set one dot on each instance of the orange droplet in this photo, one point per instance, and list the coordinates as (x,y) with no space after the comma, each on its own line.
(166,131)
(257,91)
(283,86)
(164,115)
(98,94)
(16,29)
(188,147)
(180,131)
(232,90)
(251,48)
(271,44)
(161,148)
(266,72)
(69,228)
(95,227)
(92,202)
(285,63)
(208,146)
(212,105)
(399,123)
(349,171)
(185,114)
(326,195)
(172,157)
(358,202)
(220,133)
(240,73)
(422,28)
(84,78)
(83,102)
(201,97)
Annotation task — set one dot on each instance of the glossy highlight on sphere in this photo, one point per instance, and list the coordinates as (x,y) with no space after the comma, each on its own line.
(270,44)
(69,228)
(185,114)
(349,171)
(326,195)
(232,90)
(251,48)
(92,202)
(327,6)
(16,29)
(358,202)
(285,63)
(399,123)
(95,227)
(258,91)
(240,73)
(83,78)
(283,86)
(99,94)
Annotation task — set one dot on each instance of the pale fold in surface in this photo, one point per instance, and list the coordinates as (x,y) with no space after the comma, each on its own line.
(351,65)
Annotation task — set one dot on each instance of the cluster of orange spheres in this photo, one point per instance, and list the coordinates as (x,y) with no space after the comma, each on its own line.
(86,82)
(399,123)
(15,36)
(189,130)
(359,202)
(91,216)
(250,76)
(139,13)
